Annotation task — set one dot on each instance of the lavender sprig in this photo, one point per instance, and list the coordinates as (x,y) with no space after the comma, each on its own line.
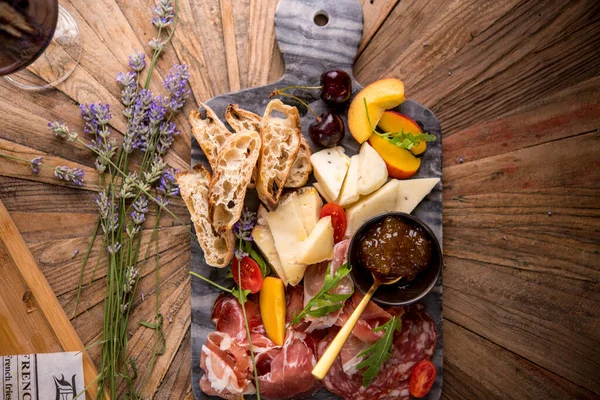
(163,14)
(74,175)
(243,227)
(137,61)
(167,185)
(62,131)
(176,85)
(35,164)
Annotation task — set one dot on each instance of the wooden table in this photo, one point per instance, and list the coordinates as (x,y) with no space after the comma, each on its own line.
(516,85)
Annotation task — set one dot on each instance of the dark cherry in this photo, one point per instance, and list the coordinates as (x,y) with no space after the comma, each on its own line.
(327,130)
(337,87)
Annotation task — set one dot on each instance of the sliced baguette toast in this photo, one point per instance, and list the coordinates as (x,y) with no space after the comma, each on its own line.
(241,120)
(301,168)
(210,133)
(231,176)
(280,145)
(217,247)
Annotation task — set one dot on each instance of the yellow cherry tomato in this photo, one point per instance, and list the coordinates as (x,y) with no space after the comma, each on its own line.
(272,309)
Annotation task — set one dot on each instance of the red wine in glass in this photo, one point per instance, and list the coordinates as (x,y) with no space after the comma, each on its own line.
(39,43)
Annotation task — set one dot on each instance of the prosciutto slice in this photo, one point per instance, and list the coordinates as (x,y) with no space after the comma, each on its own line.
(227,316)
(286,372)
(416,342)
(313,282)
(371,318)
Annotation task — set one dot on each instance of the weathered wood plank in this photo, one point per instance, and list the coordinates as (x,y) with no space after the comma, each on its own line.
(374,13)
(262,40)
(475,368)
(229,37)
(177,382)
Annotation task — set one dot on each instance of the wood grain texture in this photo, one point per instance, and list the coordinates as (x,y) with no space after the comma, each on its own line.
(515,85)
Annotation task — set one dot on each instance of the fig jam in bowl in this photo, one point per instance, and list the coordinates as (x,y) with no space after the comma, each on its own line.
(391,245)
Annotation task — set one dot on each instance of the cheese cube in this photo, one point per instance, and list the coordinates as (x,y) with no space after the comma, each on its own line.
(309,204)
(372,171)
(318,246)
(330,167)
(264,240)
(288,233)
(412,192)
(349,193)
(383,200)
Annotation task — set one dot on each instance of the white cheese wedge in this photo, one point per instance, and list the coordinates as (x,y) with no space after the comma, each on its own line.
(349,193)
(322,192)
(412,192)
(288,233)
(264,240)
(372,171)
(318,246)
(383,200)
(330,167)
(309,203)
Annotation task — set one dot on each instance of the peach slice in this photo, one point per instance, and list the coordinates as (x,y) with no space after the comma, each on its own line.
(401,163)
(393,121)
(380,96)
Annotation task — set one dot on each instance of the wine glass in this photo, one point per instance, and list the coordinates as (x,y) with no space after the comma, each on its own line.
(40,45)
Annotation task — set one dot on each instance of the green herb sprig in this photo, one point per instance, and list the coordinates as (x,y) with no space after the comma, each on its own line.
(380,352)
(400,139)
(323,302)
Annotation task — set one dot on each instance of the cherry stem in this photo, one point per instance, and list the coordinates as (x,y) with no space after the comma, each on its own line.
(298,99)
(299,87)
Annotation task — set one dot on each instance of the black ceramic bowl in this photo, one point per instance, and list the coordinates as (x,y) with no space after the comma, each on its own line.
(401,293)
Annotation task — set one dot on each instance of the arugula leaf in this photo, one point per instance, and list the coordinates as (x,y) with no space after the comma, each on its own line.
(406,140)
(403,140)
(240,294)
(265,269)
(323,302)
(380,352)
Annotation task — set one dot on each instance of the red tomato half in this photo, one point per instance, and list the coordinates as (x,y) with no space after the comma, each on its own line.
(252,278)
(338,220)
(422,378)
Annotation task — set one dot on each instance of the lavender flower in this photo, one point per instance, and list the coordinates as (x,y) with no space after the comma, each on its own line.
(162,201)
(156,111)
(163,14)
(35,164)
(128,83)
(114,248)
(156,44)
(96,117)
(176,85)
(74,175)
(137,61)
(131,274)
(140,208)
(156,170)
(111,223)
(166,135)
(243,227)
(104,204)
(239,254)
(167,185)
(132,182)
(62,131)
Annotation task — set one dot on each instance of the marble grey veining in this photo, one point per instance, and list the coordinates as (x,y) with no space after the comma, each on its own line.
(308,50)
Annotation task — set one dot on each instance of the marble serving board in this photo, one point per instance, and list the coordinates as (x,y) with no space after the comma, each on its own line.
(308,50)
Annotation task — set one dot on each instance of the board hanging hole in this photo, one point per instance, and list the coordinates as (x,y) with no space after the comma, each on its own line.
(321,18)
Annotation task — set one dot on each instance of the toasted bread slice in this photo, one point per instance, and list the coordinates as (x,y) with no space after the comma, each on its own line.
(241,120)
(281,139)
(218,247)
(301,168)
(233,170)
(210,133)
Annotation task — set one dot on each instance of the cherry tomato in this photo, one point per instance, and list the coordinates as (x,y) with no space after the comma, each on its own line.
(338,220)
(421,379)
(252,278)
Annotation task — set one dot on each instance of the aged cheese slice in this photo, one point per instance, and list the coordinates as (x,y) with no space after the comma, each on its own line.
(264,240)
(309,205)
(318,246)
(322,192)
(349,193)
(330,167)
(288,233)
(412,192)
(372,171)
(383,200)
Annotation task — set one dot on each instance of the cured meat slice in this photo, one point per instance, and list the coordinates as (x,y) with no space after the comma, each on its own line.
(294,299)
(313,282)
(287,371)
(227,316)
(371,318)
(226,367)
(416,342)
